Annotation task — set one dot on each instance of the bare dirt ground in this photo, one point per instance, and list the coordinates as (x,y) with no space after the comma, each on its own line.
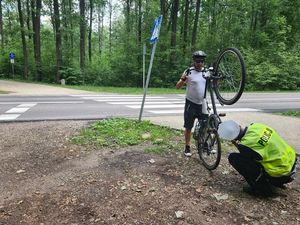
(46,180)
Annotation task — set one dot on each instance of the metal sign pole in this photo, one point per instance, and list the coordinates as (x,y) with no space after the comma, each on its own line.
(148,79)
(153,39)
(13,70)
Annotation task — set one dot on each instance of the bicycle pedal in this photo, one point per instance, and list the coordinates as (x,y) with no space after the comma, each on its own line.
(222,114)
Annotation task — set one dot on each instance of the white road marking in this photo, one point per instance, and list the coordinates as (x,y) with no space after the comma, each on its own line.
(146,103)
(34,103)
(120,97)
(9,116)
(166,104)
(160,106)
(26,105)
(155,106)
(17,110)
(104,95)
(219,110)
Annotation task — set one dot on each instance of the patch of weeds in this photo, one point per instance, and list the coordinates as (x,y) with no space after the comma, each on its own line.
(164,148)
(4,92)
(122,132)
(291,113)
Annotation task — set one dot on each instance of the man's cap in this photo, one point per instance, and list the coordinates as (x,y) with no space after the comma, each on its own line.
(229,130)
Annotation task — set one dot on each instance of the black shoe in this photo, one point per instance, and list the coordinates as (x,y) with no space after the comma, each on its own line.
(251,191)
(257,193)
(187,151)
(280,185)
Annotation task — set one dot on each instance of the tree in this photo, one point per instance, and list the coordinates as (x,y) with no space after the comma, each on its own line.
(82,34)
(36,6)
(195,26)
(24,44)
(1,26)
(90,29)
(57,39)
(174,28)
(185,25)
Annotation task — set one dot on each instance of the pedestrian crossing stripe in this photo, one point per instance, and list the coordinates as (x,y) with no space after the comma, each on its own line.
(15,112)
(219,110)
(146,103)
(155,104)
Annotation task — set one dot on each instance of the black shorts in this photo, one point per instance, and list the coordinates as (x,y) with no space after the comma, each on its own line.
(191,112)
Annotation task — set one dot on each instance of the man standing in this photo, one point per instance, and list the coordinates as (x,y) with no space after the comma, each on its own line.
(195,92)
(264,158)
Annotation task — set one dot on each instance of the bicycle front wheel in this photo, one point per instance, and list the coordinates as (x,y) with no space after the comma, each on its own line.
(209,146)
(231,69)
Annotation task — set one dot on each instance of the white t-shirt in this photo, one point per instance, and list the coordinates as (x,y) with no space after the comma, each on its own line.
(195,86)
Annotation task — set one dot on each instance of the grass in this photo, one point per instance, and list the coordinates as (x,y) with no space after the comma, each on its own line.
(120,132)
(127,90)
(117,90)
(295,113)
(4,92)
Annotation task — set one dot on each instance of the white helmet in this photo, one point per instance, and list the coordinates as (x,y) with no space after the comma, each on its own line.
(229,130)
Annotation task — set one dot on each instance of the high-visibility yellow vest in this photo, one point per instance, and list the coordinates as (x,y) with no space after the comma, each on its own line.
(278,157)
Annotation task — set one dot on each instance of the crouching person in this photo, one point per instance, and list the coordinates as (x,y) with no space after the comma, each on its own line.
(265,160)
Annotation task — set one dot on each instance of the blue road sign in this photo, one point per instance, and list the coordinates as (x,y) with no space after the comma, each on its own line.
(12,55)
(156,29)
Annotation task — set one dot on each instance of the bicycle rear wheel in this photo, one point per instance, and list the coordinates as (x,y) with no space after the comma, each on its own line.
(231,69)
(209,146)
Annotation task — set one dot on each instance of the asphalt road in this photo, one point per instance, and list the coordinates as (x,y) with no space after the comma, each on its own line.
(32,102)
(97,106)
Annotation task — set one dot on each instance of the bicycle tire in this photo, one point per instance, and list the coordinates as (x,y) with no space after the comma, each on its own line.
(209,145)
(230,67)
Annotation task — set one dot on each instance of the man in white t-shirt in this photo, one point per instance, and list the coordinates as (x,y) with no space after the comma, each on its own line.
(196,87)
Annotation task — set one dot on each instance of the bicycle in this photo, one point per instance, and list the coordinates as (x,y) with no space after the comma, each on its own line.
(227,80)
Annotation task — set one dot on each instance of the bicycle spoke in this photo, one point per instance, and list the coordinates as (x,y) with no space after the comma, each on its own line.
(210,150)
(230,68)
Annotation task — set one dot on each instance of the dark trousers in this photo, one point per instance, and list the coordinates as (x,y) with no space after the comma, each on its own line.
(255,174)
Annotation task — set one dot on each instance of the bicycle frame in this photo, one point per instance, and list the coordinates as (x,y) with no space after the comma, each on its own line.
(207,137)
(209,84)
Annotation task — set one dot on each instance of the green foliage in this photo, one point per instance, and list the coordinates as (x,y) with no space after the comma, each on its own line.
(281,72)
(291,113)
(127,90)
(267,33)
(71,75)
(121,132)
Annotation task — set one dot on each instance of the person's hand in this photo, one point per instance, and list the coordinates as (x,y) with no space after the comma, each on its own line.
(235,142)
(184,76)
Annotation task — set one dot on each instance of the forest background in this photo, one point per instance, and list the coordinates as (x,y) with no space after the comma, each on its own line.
(98,42)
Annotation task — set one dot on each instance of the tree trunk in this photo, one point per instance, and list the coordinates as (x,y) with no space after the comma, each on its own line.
(99,30)
(28,18)
(127,16)
(90,30)
(163,8)
(82,33)
(195,27)
(174,28)
(25,53)
(1,26)
(185,24)
(71,25)
(57,39)
(140,23)
(110,24)
(36,6)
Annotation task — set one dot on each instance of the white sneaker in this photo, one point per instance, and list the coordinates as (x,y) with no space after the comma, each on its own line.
(187,152)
